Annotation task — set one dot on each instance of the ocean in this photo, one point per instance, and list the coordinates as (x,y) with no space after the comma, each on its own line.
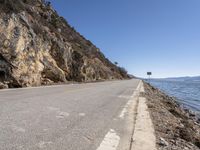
(187,92)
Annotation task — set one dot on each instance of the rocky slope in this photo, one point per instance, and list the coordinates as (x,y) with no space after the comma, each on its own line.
(176,128)
(38,47)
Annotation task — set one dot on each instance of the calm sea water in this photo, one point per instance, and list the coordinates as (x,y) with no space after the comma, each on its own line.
(186,92)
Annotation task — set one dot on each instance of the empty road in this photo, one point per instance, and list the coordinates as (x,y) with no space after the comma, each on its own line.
(93,116)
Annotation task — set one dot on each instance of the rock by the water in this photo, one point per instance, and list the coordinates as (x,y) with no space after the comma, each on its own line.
(162,142)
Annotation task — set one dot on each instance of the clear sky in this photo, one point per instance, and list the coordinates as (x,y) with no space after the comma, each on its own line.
(162,36)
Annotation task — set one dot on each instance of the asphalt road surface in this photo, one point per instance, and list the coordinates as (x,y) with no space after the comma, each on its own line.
(93,116)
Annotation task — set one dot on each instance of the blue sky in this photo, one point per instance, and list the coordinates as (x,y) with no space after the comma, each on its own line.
(162,36)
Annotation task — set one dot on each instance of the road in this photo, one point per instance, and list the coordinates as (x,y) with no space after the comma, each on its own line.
(93,116)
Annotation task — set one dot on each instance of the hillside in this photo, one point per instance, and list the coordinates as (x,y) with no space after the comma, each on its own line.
(38,47)
(187,78)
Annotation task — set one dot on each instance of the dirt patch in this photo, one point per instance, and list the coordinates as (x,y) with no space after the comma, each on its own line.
(176,128)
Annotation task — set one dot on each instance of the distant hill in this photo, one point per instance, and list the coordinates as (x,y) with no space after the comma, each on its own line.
(187,78)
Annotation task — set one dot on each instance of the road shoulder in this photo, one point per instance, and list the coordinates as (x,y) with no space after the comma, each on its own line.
(143,135)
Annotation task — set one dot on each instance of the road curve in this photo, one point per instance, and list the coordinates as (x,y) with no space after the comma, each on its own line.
(93,116)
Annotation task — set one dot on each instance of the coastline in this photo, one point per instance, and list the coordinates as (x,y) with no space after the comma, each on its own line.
(175,127)
(186,92)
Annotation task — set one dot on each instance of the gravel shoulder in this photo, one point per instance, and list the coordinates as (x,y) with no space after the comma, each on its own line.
(176,128)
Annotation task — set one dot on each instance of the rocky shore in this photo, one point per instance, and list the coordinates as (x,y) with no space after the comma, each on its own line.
(176,128)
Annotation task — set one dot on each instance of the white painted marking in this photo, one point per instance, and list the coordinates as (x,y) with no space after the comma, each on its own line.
(142,88)
(65,114)
(122,114)
(81,114)
(140,85)
(135,93)
(129,103)
(62,115)
(125,109)
(110,142)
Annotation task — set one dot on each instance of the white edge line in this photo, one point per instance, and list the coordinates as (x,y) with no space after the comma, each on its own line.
(124,110)
(110,141)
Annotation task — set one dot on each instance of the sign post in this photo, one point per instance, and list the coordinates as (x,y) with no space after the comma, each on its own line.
(149,74)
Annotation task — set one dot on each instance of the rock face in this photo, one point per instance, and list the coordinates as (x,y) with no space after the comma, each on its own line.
(37,47)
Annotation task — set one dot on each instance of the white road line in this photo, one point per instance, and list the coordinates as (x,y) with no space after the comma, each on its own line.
(122,114)
(142,88)
(110,142)
(135,93)
(62,115)
(140,85)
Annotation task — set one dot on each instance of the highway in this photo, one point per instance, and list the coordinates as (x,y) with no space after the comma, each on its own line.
(92,116)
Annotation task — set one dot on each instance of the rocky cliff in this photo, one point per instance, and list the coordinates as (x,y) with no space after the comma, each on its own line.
(38,47)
